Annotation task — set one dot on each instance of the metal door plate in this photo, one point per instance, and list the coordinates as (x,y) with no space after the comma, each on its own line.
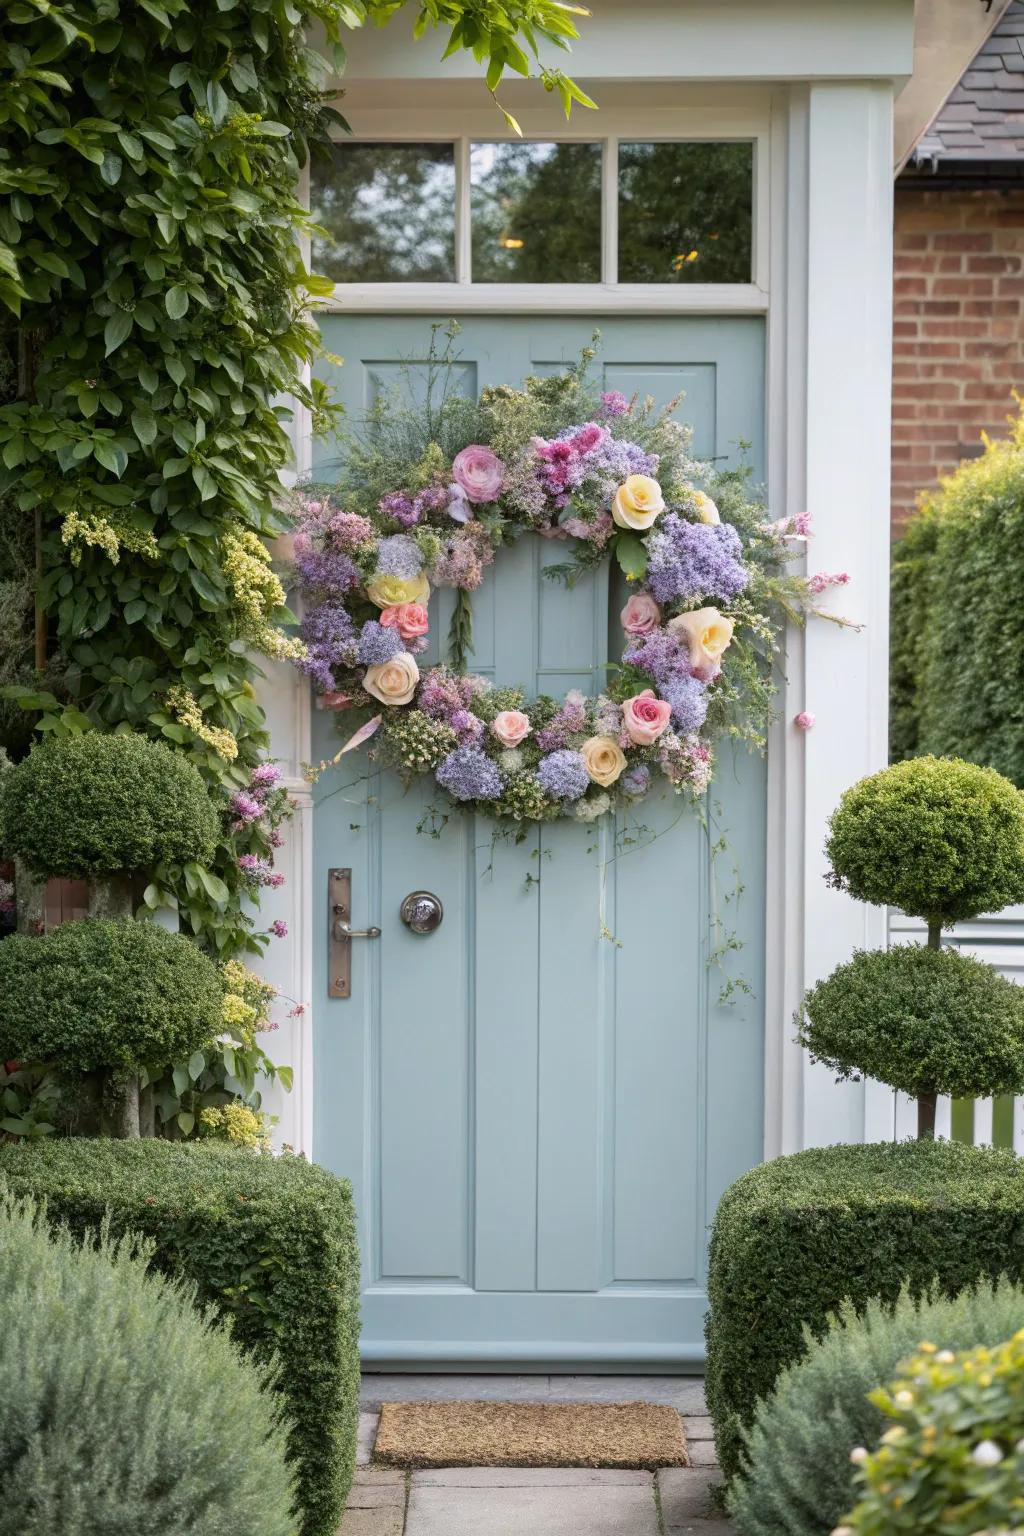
(339,950)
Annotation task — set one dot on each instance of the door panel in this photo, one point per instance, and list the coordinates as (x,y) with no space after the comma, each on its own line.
(540,1103)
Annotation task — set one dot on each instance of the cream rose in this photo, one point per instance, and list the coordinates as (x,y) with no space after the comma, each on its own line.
(708,633)
(393,591)
(394,681)
(638,501)
(604,759)
(706,509)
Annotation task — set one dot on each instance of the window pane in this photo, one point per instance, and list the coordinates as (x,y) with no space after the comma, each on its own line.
(536,213)
(685,213)
(389,213)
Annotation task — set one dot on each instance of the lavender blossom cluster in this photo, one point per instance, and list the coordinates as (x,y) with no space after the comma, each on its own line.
(694,562)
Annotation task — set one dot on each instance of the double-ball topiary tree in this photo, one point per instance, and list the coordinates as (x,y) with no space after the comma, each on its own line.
(942,840)
(102,998)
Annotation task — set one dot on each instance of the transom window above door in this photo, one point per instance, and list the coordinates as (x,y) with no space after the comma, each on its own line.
(657,213)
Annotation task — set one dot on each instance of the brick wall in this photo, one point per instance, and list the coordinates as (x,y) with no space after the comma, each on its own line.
(958,329)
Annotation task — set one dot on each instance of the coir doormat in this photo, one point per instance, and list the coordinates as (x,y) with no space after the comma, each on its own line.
(635,1435)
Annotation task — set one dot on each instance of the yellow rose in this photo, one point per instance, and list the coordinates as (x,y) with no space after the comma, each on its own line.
(708,634)
(390,591)
(394,681)
(707,512)
(638,501)
(604,758)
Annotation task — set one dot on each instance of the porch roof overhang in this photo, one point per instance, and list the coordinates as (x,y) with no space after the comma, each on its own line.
(684,41)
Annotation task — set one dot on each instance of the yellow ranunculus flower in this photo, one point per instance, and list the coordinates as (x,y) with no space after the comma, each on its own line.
(708,634)
(638,501)
(706,509)
(391,591)
(604,758)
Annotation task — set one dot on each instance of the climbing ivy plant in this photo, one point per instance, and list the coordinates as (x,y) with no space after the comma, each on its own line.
(158,313)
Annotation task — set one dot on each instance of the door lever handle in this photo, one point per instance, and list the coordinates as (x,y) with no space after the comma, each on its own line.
(343,931)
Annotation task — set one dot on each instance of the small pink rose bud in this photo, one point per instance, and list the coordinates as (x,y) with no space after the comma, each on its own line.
(805,720)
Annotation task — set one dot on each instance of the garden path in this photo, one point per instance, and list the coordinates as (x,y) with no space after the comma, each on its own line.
(510,1501)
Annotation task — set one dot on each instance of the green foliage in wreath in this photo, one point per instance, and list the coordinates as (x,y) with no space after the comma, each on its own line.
(106,996)
(923,1020)
(97,804)
(938,838)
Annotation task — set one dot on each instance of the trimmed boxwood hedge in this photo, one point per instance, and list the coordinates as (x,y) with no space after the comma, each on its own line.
(269,1240)
(795,1237)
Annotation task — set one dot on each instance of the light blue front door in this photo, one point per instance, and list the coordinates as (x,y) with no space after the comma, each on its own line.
(540,1104)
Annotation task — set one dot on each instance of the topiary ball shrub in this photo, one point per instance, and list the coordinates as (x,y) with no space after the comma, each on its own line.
(797,1477)
(923,1020)
(939,838)
(270,1241)
(124,1409)
(106,995)
(952,1463)
(795,1237)
(98,805)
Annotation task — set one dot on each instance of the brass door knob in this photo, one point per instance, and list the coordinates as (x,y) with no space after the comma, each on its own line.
(421,911)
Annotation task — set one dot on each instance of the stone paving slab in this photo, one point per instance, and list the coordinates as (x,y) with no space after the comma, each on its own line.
(702,1453)
(372,1522)
(377,1490)
(698,1427)
(702,1528)
(686,1495)
(529,1477)
(366,1434)
(583,1510)
(684,1393)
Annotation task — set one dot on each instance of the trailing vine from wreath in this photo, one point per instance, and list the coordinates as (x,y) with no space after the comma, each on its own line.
(426,498)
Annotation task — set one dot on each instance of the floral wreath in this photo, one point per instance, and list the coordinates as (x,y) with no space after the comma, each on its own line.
(609,476)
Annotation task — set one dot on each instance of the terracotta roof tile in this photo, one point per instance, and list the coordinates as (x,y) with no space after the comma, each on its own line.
(981,118)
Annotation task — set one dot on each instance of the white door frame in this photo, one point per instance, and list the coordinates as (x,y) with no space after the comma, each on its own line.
(822,276)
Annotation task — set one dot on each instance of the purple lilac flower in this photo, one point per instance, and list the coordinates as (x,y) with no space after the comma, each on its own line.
(245,808)
(432,499)
(688,698)
(470,727)
(563,775)
(279,928)
(570,720)
(264,777)
(330,637)
(399,556)
(636,781)
(469,774)
(348,530)
(259,871)
(275,838)
(400,506)
(441,695)
(694,561)
(462,560)
(325,570)
(614,403)
(378,643)
(661,654)
(618,459)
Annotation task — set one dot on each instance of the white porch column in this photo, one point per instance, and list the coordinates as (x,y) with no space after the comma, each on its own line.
(836,385)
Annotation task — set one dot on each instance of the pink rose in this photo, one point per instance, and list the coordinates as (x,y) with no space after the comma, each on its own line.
(510,727)
(805,720)
(645,717)
(479,472)
(410,619)
(641,614)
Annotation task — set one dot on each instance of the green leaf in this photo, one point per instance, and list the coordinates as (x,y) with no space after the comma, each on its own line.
(196,1065)
(285,1076)
(180,1078)
(631,553)
(135,611)
(214,887)
(186,1122)
(144,427)
(112,458)
(117,330)
(176,302)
